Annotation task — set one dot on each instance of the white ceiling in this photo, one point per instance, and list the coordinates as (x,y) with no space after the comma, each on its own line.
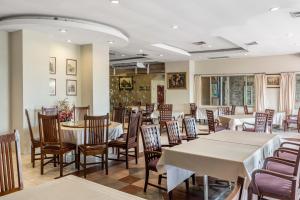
(220,23)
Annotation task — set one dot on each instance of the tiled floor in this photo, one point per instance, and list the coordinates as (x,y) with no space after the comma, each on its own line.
(130,181)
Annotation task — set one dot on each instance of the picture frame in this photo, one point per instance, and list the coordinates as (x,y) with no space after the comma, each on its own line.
(71,87)
(52,87)
(52,65)
(125,83)
(176,80)
(71,67)
(273,81)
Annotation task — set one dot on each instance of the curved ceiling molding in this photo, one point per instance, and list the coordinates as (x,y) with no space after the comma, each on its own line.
(62,22)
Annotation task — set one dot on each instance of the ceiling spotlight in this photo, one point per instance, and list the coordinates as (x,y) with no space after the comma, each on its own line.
(110,42)
(161,55)
(69,41)
(273,9)
(62,30)
(245,54)
(114,1)
(175,26)
(123,55)
(141,50)
(209,46)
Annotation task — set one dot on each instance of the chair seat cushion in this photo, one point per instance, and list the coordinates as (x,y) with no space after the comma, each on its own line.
(287,156)
(152,164)
(280,168)
(93,149)
(118,142)
(56,147)
(273,186)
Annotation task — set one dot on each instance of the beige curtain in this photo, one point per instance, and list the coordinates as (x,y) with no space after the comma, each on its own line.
(287,92)
(198,92)
(260,92)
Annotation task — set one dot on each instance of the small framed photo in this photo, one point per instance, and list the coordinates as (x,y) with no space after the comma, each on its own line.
(176,80)
(71,67)
(273,81)
(125,83)
(52,87)
(71,87)
(52,65)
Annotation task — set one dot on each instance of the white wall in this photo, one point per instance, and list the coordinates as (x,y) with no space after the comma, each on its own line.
(4,82)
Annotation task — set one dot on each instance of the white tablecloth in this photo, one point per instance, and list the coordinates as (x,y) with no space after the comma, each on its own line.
(76,135)
(175,114)
(201,111)
(70,188)
(225,155)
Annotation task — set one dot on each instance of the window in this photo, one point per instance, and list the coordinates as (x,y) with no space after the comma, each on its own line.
(297,104)
(228,90)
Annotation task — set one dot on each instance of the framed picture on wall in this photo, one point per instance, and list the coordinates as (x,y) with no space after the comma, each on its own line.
(273,81)
(176,80)
(125,83)
(52,65)
(52,87)
(71,67)
(71,87)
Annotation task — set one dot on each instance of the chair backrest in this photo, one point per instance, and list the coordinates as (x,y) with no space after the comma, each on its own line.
(119,114)
(49,129)
(80,112)
(135,120)
(260,125)
(29,126)
(50,110)
(96,130)
(10,143)
(190,127)
(165,112)
(236,193)
(233,109)
(224,111)
(150,108)
(193,109)
(246,111)
(270,113)
(210,120)
(298,117)
(151,138)
(173,131)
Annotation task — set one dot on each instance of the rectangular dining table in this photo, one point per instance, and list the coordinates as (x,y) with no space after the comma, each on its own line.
(224,155)
(70,187)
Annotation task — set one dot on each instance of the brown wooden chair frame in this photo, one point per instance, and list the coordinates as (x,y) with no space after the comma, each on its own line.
(85,109)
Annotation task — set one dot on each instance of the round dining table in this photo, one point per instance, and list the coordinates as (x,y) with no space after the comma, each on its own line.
(73,132)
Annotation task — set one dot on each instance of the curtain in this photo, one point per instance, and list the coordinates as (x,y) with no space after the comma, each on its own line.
(287,92)
(260,92)
(198,92)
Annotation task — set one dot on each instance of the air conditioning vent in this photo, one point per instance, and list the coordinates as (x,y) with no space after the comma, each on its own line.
(199,43)
(218,57)
(251,43)
(295,14)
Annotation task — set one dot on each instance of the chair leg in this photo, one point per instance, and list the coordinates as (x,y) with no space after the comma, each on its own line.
(106,163)
(118,152)
(170,194)
(159,179)
(78,161)
(102,161)
(136,155)
(84,165)
(187,185)
(42,163)
(194,179)
(250,193)
(54,160)
(61,167)
(146,180)
(126,154)
(33,156)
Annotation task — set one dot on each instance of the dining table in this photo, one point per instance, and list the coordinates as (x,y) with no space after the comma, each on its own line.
(70,187)
(176,115)
(224,155)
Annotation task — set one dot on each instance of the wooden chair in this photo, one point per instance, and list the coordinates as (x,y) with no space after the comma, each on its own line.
(224,111)
(119,115)
(213,125)
(10,143)
(131,139)
(165,114)
(80,112)
(193,111)
(260,125)
(270,113)
(35,142)
(152,153)
(51,142)
(50,110)
(236,193)
(292,119)
(232,112)
(173,132)
(246,111)
(95,141)
(190,127)
(147,114)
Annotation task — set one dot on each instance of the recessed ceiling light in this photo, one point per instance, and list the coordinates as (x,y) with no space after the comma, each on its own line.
(141,50)
(175,26)
(289,35)
(161,55)
(123,55)
(171,48)
(63,30)
(110,42)
(245,54)
(209,46)
(114,1)
(273,9)
(69,41)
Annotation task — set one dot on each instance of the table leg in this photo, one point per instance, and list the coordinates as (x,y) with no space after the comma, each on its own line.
(205,187)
